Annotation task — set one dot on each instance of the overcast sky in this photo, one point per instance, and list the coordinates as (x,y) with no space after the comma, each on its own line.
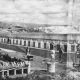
(33,11)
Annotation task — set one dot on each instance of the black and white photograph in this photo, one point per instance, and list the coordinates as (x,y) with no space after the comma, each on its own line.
(39,40)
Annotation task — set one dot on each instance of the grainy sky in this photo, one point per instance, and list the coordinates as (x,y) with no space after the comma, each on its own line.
(33,11)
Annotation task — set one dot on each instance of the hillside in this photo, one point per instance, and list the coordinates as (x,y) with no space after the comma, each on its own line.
(24,28)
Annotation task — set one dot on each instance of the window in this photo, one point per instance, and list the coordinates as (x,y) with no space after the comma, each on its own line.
(20,42)
(19,71)
(17,41)
(11,72)
(51,46)
(39,45)
(5,73)
(65,48)
(28,43)
(72,48)
(24,43)
(10,41)
(25,71)
(58,47)
(0,74)
(33,44)
(45,45)
(4,40)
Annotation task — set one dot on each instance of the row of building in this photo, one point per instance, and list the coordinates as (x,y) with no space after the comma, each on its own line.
(67,42)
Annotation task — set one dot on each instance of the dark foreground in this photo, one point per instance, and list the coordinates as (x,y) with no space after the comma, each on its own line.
(42,75)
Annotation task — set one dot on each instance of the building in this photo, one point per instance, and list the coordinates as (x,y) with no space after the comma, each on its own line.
(13,69)
(68,41)
(12,66)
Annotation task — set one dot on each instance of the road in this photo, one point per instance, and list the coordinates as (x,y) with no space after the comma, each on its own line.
(34,51)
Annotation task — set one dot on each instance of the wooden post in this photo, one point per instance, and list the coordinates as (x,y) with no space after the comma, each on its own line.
(7,72)
(3,74)
(22,71)
(14,71)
